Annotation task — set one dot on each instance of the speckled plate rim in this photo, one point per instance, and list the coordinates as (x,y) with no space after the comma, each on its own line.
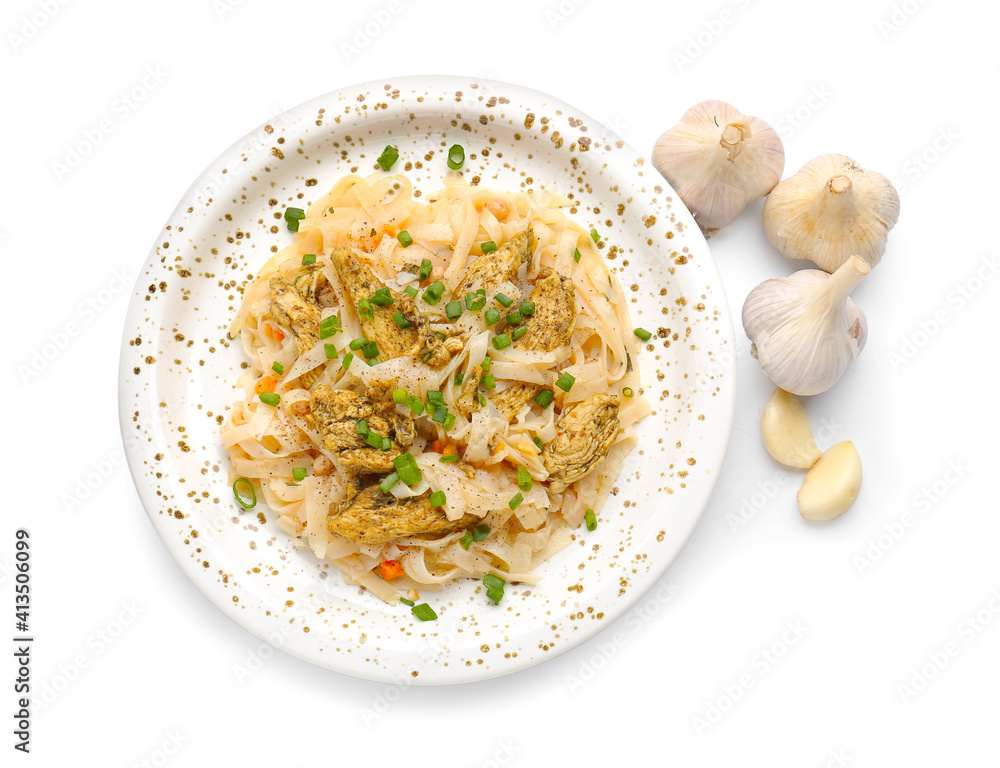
(711,456)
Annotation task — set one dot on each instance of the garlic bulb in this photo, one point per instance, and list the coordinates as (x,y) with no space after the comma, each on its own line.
(805,329)
(719,160)
(830,210)
(832,485)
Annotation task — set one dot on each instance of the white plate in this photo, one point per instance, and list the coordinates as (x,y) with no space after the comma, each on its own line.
(178,373)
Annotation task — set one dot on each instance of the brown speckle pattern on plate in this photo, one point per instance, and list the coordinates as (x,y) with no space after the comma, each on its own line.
(178,371)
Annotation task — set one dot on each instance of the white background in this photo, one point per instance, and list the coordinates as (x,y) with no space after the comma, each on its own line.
(144,665)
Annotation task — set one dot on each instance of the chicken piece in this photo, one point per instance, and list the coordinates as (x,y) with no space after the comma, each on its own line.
(336,413)
(300,316)
(467,402)
(549,328)
(500,266)
(584,435)
(314,287)
(369,516)
(417,340)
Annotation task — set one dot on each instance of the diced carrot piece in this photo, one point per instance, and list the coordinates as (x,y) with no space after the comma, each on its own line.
(278,335)
(450,449)
(437,446)
(265,384)
(390,569)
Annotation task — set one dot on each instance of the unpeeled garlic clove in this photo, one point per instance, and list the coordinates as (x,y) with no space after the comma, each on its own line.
(719,160)
(805,329)
(786,432)
(832,485)
(831,210)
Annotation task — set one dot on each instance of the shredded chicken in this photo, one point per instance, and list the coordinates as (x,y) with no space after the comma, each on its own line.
(584,435)
(300,316)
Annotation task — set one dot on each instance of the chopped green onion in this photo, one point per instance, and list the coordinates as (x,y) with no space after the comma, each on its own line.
(453,310)
(404,239)
(242,482)
(425,269)
(434,292)
(382,297)
(627,392)
(372,362)
(489,246)
(414,404)
(424,612)
(566,382)
(545,398)
(435,397)
(488,381)
(537,441)
(576,255)
(527,308)
(479,533)
(504,300)
(399,395)
(410,291)
(309,258)
(277,367)
(370,350)
(459,378)
(348,359)
(438,499)
(485,365)
(357,343)
(440,414)
(449,421)
(594,236)
(299,473)
(514,318)
(292,218)
(456,157)
(451,458)
(400,321)
(591,519)
(518,332)
(365,311)
(270,398)
(404,601)
(523,479)
(328,326)
(516,501)
(501,341)
(496,595)
(407,467)
(643,334)
(482,400)
(362,427)
(466,540)
(331,351)
(388,157)
(475,301)
(492,316)
(494,581)
(375,440)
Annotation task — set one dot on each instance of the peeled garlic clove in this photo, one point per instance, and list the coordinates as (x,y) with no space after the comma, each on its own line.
(786,431)
(832,485)
(719,160)
(830,210)
(805,329)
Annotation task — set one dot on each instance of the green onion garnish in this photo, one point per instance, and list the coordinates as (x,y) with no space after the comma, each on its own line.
(435,397)
(475,301)
(514,318)
(545,398)
(440,414)
(270,398)
(404,239)
(388,157)
(492,580)
(404,601)
(643,334)
(576,255)
(348,359)
(407,468)
(482,400)
(516,501)
(488,381)
(479,533)
(485,365)
(292,218)
(365,311)
(438,499)
(309,258)
(331,351)
(459,378)
(489,246)
(242,482)
(425,269)
(566,382)
(453,310)
(527,308)
(466,540)
(414,404)
(410,291)
(451,458)
(328,326)
(370,350)
(518,332)
(424,612)
(357,343)
(456,157)
(504,300)
(449,421)
(627,392)
(399,395)
(362,427)
(299,473)
(400,321)
(277,367)
(382,297)
(494,594)
(389,482)
(523,479)
(537,441)
(594,236)
(492,316)
(591,519)
(501,342)
(434,292)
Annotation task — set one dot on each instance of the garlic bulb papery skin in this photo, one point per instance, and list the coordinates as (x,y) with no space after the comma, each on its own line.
(804,329)
(719,160)
(831,210)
